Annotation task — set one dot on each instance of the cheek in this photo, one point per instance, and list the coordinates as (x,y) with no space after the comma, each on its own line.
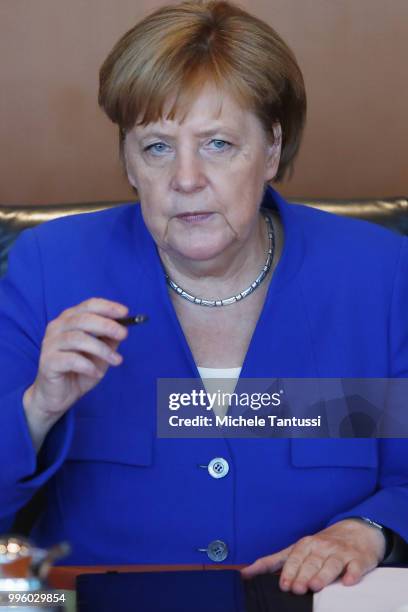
(154,219)
(243,173)
(145,176)
(242,187)
(152,191)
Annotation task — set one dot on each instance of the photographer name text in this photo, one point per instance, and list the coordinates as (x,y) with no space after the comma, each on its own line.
(242,421)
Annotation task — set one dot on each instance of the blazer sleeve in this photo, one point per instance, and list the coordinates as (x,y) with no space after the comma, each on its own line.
(23,320)
(389,504)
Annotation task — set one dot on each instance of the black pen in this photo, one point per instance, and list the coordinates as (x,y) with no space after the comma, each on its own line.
(133,320)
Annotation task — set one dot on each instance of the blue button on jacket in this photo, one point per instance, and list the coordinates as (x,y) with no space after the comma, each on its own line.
(337,306)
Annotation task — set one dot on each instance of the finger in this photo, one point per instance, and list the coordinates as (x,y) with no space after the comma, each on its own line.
(92,324)
(73,362)
(330,570)
(100,306)
(102,365)
(299,553)
(309,568)
(103,307)
(113,344)
(84,343)
(263,565)
(354,572)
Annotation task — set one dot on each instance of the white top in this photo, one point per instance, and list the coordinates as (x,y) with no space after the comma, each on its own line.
(219,372)
(212,383)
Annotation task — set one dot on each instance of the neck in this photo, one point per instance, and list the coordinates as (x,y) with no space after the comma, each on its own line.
(227,273)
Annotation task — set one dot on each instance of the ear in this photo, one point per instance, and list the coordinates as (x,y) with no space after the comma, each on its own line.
(273,152)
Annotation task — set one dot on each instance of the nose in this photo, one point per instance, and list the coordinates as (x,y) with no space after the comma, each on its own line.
(188,176)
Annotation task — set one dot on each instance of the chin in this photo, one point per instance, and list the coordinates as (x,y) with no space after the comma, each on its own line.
(199,252)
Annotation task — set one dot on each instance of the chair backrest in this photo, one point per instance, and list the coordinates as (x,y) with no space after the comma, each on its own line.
(390,212)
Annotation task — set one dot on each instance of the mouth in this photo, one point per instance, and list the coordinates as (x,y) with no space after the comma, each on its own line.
(194,217)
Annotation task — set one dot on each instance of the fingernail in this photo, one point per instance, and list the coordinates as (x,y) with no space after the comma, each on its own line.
(121,334)
(315,586)
(115,358)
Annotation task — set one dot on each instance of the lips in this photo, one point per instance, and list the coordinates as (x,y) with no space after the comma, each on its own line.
(194,216)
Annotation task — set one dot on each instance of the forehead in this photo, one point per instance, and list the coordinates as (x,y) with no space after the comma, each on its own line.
(210,109)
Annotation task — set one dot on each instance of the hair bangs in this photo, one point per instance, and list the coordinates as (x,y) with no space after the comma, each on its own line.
(170,96)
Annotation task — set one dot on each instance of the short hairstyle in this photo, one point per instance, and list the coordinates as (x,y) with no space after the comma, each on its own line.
(171,53)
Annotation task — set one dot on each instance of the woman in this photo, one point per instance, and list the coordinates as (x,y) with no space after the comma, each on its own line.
(210,106)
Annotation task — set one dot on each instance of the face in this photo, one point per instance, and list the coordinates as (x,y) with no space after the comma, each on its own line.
(201,181)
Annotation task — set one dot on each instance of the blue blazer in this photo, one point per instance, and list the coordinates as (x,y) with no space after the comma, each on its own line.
(337,306)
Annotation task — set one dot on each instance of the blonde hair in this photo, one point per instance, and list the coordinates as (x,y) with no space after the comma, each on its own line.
(171,53)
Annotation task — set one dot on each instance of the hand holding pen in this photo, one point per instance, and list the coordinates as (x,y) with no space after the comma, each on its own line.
(78,348)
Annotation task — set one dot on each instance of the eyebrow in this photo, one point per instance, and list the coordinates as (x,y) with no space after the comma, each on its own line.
(208,132)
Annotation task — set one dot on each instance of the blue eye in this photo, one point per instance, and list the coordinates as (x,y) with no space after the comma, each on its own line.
(219,144)
(157,148)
